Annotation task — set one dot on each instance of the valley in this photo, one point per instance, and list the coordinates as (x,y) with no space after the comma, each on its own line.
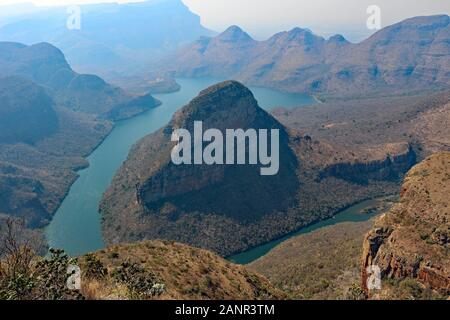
(208,203)
(360,212)
(76,226)
(146,156)
(52,118)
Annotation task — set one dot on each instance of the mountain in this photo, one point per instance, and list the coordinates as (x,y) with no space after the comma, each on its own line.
(46,65)
(114,38)
(230,208)
(26,111)
(410,243)
(50,118)
(407,56)
(221,56)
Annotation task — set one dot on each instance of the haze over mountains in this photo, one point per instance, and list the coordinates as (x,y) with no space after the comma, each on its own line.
(410,55)
(113,39)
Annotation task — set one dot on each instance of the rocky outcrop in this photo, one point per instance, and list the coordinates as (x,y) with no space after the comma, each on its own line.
(391,167)
(412,240)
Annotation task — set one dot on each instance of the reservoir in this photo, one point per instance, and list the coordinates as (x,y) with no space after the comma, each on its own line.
(76,226)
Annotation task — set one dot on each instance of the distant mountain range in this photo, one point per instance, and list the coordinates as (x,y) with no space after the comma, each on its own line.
(46,65)
(411,55)
(114,38)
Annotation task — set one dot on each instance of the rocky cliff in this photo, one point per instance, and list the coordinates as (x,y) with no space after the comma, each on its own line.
(410,243)
(390,167)
(238,191)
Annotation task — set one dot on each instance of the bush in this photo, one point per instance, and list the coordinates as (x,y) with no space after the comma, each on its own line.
(140,282)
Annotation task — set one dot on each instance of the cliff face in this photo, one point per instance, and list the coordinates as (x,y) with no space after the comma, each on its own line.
(234,191)
(412,241)
(388,168)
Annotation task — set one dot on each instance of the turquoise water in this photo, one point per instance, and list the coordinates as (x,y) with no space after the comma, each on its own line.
(354,213)
(76,225)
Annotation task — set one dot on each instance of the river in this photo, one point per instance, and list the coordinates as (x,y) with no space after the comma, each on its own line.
(76,226)
(359,212)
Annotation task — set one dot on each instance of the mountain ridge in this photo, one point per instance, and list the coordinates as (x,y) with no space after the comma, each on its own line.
(106,44)
(412,54)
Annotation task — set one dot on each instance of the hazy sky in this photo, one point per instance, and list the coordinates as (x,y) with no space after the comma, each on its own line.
(262,18)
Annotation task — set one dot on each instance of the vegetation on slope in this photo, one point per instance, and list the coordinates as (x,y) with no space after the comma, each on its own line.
(411,243)
(147,270)
(324,264)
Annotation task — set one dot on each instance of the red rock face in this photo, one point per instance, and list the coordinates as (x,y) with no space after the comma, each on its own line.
(434,279)
(411,241)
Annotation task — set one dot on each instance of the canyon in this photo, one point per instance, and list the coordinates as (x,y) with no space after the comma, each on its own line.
(51,119)
(199,205)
